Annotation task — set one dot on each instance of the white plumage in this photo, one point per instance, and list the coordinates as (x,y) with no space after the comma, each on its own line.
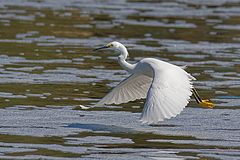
(166,87)
(132,88)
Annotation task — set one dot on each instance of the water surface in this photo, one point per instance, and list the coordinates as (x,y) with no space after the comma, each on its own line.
(48,69)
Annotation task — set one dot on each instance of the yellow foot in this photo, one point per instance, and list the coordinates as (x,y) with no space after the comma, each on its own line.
(206,103)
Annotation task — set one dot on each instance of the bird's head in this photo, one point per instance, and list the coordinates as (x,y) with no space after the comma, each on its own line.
(120,49)
(112,45)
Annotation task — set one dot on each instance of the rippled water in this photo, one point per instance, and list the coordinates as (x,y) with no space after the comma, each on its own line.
(48,69)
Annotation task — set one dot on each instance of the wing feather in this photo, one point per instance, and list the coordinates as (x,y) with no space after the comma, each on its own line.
(168,94)
(134,87)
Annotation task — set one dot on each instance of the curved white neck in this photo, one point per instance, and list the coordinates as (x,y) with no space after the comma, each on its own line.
(122,60)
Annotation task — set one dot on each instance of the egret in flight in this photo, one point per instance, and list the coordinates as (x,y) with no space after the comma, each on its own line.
(166,87)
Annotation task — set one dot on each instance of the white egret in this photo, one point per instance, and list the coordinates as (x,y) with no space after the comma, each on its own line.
(166,87)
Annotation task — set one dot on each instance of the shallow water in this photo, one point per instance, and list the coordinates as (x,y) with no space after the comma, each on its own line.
(48,69)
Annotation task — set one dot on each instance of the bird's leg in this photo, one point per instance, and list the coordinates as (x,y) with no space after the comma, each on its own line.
(200,101)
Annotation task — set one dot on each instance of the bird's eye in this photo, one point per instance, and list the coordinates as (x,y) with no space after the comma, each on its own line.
(110,45)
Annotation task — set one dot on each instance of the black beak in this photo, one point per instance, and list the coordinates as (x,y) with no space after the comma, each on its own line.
(103,47)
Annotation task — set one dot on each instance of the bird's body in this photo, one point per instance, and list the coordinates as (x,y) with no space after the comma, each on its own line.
(166,87)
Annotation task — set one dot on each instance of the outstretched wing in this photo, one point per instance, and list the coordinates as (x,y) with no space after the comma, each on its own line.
(169,93)
(134,87)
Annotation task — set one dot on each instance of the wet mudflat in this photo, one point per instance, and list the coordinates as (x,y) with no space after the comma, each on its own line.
(48,68)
